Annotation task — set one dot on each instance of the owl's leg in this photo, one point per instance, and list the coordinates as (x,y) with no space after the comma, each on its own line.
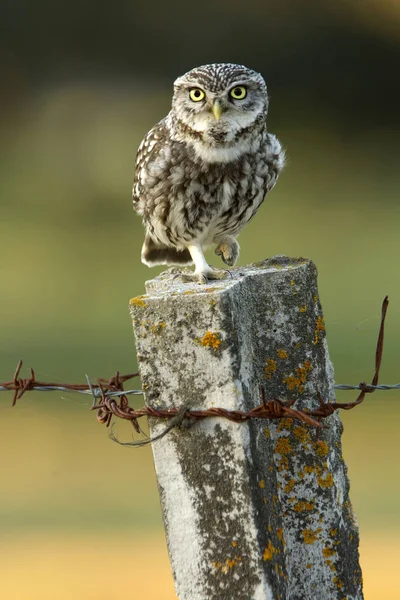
(228,249)
(203,272)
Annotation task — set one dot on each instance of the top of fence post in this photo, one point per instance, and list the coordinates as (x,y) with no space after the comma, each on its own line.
(257,510)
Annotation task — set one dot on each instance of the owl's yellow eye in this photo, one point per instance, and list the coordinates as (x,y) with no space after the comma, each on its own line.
(239,92)
(196,94)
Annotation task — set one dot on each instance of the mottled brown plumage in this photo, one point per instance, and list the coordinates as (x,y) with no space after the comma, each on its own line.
(203,171)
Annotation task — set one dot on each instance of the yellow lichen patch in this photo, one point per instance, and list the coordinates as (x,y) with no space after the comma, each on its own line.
(158,328)
(338,582)
(267,432)
(292,282)
(321,448)
(327,552)
(319,327)
(270,368)
(211,340)
(302,434)
(285,424)
(189,292)
(308,469)
(310,536)
(298,381)
(269,527)
(289,486)
(316,298)
(234,544)
(227,565)
(274,500)
(302,308)
(138,301)
(212,302)
(283,464)
(269,551)
(262,484)
(303,505)
(333,532)
(308,566)
(283,446)
(326,482)
(282,353)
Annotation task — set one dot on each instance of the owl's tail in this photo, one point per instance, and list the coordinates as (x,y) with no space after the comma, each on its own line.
(154,253)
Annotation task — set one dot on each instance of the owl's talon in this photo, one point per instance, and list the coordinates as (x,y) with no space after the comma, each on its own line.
(228,250)
(203,277)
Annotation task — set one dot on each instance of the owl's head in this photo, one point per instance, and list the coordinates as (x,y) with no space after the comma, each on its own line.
(220,100)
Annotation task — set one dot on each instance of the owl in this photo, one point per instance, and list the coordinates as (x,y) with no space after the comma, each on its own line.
(203,171)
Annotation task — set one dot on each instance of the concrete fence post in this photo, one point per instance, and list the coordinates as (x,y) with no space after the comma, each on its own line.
(258,510)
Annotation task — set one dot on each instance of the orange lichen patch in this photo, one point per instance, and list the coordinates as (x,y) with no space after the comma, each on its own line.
(270,368)
(269,551)
(310,536)
(274,500)
(321,448)
(282,353)
(308,566)
(302,434)
(308,469)
(283,464)
(298,381)
(262,484)
(279,533)
(333,532)
(327,552)
(303,505)
(289,486)
(302,308)
(285,424)
(297,345)
(283,446)
(227,565)
(234,544)
(211,340)
(319,327)
(158,328)
(138,301)
(326,482)
(338,582)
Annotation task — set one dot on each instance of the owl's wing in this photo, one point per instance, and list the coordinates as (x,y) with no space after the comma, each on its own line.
(147,150)
(275,160)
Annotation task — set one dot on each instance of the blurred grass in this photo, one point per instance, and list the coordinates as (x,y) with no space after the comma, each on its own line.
(70,248)
(112,566)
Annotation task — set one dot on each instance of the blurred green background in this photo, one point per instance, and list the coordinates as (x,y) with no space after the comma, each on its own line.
(81,83)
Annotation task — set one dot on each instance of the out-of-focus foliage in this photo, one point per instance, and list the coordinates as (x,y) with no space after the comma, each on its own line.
(81,84)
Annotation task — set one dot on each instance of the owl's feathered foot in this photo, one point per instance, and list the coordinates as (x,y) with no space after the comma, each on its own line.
(203,272)
(204,276)
(228,249)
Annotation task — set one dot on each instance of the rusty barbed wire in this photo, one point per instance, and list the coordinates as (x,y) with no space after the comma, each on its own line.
(112,398)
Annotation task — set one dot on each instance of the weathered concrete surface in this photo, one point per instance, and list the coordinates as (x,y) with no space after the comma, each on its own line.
(252,511)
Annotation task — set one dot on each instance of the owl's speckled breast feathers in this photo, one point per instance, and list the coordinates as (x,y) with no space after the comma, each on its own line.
(203,171)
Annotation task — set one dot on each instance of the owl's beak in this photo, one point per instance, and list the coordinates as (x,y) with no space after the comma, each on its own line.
(217,109)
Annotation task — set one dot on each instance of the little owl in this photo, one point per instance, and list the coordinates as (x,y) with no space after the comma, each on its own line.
(204,170)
